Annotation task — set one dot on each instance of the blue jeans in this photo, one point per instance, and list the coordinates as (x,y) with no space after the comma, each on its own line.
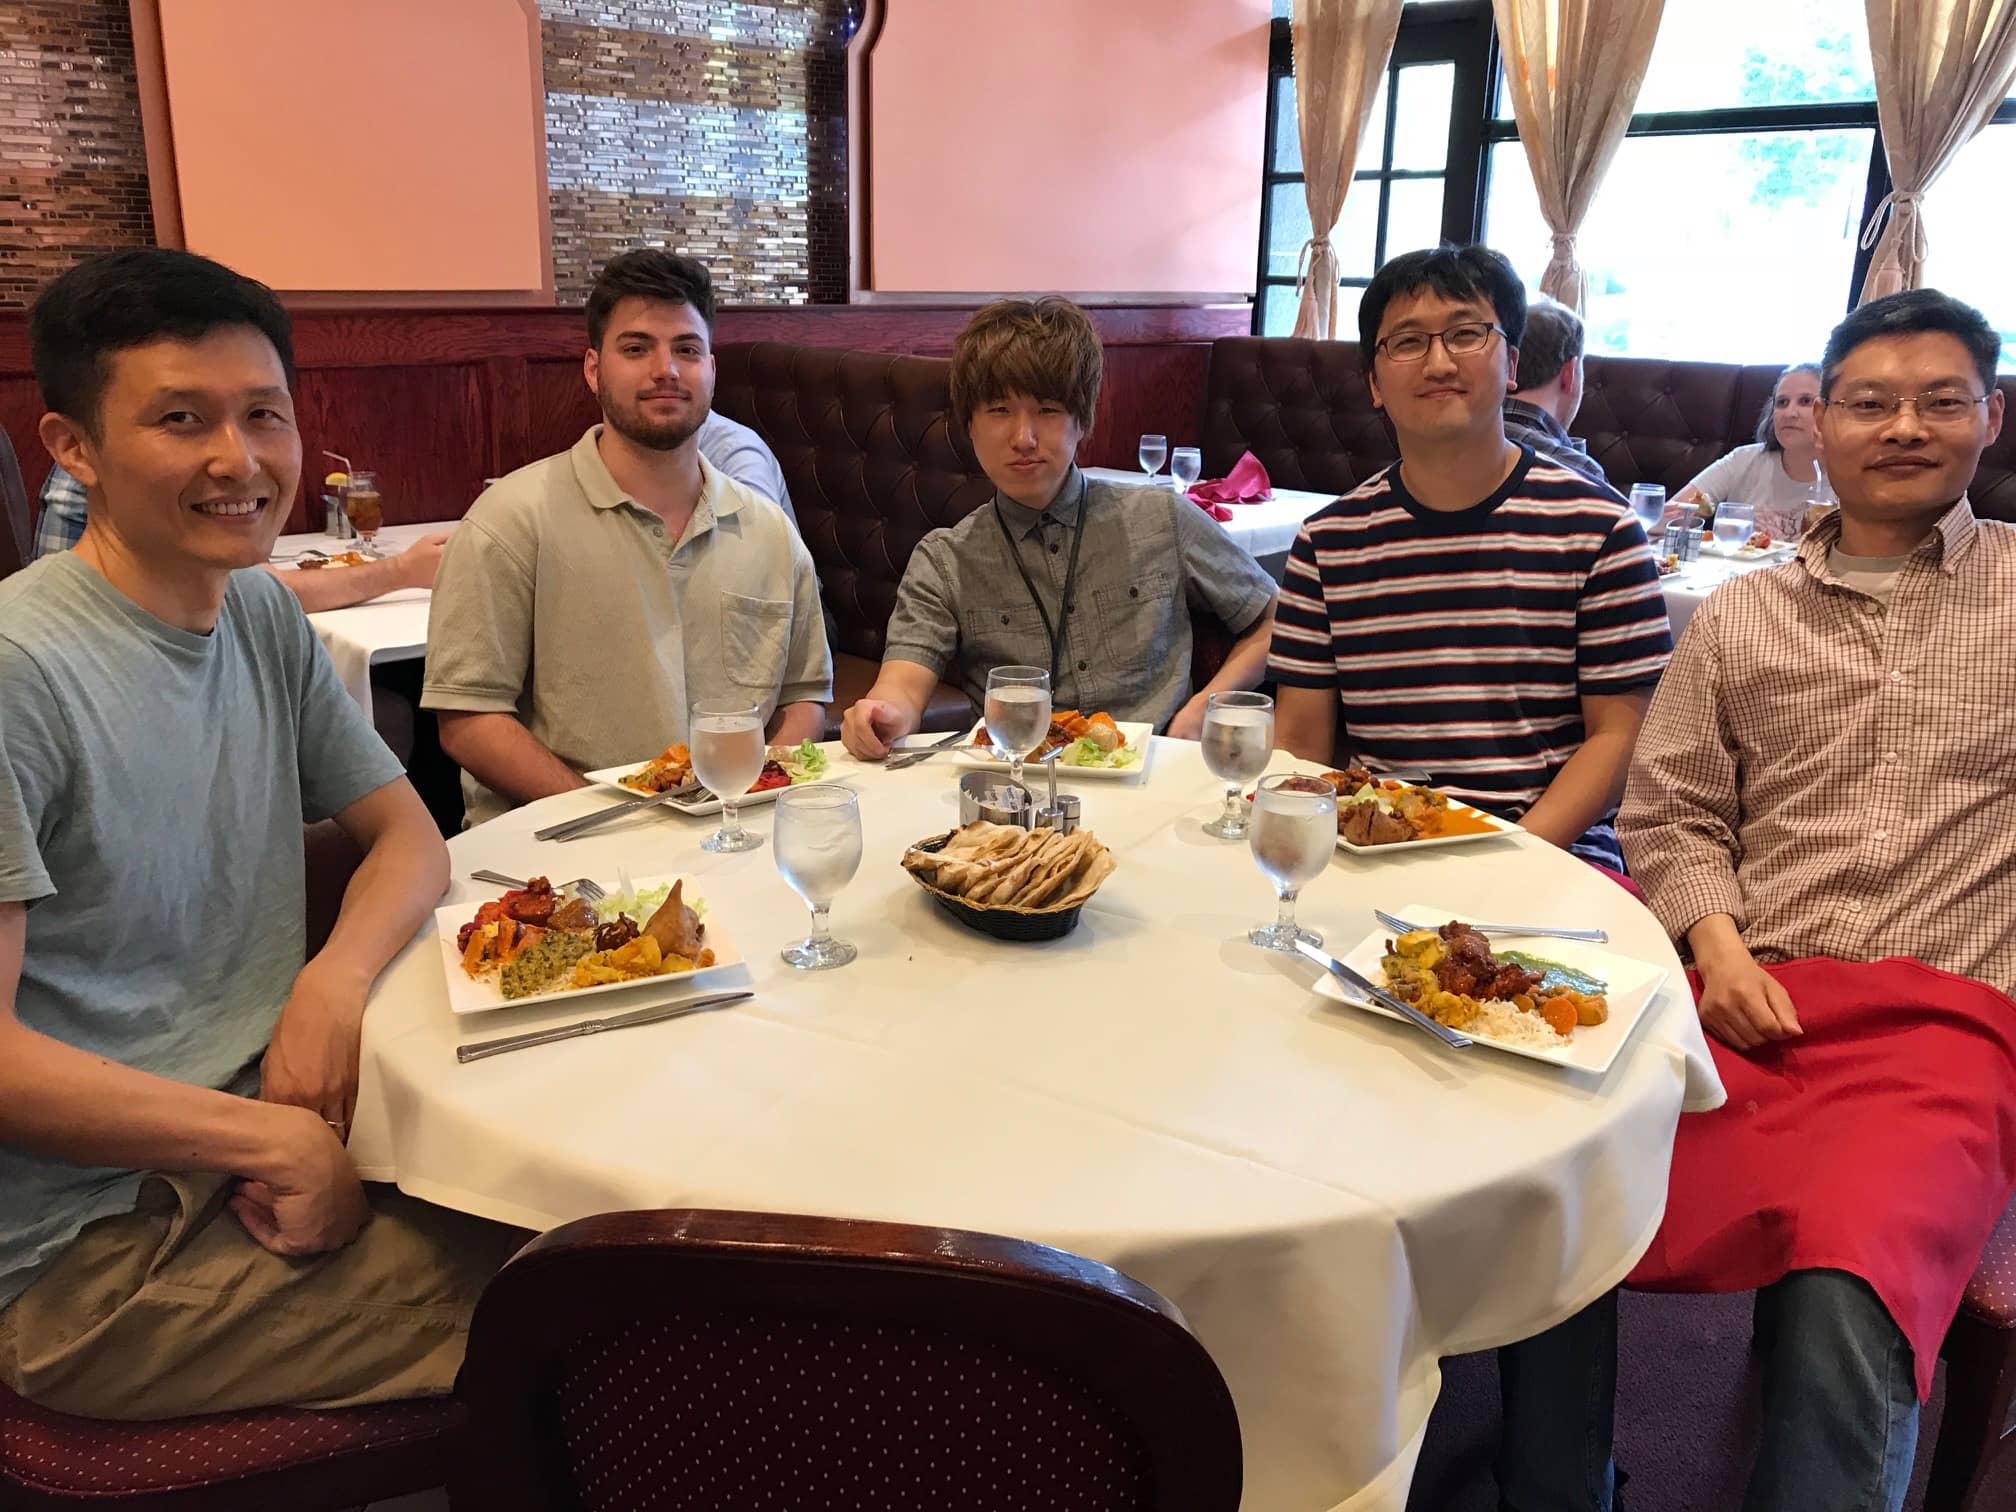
(1840,1405)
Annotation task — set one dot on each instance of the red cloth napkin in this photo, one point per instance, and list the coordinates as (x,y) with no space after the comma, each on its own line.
(1247,483)
(1881,1142)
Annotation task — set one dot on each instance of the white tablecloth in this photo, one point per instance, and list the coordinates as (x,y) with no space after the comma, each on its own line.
(1264,529)
(386,629)
(1687,589)
(1333,1200)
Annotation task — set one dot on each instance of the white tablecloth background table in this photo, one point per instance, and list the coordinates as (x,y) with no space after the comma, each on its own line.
(386,629)
(1265,529)
(1333,1200)
(1688,589)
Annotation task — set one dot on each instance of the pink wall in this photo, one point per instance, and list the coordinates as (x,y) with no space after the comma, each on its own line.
(1076,145)
(367,145)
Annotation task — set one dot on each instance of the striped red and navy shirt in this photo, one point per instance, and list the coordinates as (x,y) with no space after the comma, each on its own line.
(1460,642)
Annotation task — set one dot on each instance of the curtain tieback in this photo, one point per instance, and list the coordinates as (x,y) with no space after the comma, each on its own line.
(1903,203)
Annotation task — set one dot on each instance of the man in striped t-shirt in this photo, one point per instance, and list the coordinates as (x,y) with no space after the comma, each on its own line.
(1476,612)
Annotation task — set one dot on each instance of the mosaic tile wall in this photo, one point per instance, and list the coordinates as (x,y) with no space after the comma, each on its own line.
(73,163)
(715,128)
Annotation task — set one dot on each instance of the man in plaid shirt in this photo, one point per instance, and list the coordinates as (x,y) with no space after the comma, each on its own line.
(61,521)
(1820,807)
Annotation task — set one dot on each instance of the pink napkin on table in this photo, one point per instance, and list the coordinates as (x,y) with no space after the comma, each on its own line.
(1247,483)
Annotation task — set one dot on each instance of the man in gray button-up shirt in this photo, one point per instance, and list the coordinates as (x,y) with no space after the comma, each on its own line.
(1091,580)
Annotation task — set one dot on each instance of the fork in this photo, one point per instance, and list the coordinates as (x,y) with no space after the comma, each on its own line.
(1593,936)
(587,887)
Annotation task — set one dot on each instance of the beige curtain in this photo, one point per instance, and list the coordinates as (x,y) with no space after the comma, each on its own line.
(1572,70)
(1341,48)
(1942,68)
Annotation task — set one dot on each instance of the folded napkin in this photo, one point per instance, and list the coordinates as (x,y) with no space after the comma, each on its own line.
(1247,483)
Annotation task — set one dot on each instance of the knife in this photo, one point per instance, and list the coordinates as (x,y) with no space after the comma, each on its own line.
(652,1015)
(911,757)
(567,829)
(1382,997)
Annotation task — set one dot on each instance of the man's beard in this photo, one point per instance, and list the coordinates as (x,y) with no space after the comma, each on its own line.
(667,435)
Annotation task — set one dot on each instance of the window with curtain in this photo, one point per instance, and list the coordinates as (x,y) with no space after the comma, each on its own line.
(1968,210)
(1727,226)
(1409,189)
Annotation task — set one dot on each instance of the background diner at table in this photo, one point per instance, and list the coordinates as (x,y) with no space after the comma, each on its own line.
(633,744)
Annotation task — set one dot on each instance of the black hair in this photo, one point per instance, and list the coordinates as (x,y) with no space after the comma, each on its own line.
(1907,314)
(1552,339)
(1473,272)
(119,300)
(649,273)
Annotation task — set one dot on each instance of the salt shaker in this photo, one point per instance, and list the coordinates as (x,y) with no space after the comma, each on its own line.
(1060,814)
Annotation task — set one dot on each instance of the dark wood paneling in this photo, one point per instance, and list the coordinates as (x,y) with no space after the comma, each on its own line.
(1157,389)
(424,430)
(438,400)
(560,405)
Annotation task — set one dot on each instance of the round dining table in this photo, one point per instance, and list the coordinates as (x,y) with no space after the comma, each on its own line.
(1335,1201)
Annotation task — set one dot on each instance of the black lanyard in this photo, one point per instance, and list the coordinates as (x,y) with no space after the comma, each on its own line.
(1054,632)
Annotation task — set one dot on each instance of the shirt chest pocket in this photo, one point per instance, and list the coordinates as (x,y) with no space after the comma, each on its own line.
(1133,623)
(1003,636)
(755,641)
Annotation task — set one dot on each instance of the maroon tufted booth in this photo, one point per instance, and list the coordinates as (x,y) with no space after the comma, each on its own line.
(643,1362)
(1303,408)
(234,1462)
(1980,1414)
(874,464)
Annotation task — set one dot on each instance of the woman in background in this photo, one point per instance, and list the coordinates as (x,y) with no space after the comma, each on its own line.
(1780,472)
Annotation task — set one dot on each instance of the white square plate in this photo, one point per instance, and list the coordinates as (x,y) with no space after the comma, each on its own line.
(1632,986)
(1777,551)
(701,803)
(467,994)
(1141,735)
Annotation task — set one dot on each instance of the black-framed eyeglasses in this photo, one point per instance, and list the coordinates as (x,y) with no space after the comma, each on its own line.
(1458,341)
(1934,406)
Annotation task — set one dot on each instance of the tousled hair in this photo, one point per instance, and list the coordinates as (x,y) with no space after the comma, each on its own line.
(120,300)
(1908,314)
(1472,272)
(1043,348)
(649,273)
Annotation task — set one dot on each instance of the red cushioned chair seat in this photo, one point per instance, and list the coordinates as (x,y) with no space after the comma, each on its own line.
(1992,1292)
(281,1457)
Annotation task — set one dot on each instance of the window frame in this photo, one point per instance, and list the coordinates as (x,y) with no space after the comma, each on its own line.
(1463,31)
(1443,32)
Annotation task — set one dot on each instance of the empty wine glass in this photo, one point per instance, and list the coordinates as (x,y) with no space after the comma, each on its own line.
(1185,463)
(818,834)
(1153,453)
(727,745)
(1238,742)
(1017,714)
(1293,835)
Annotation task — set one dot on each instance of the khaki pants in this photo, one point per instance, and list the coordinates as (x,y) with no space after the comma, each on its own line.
(173,1310)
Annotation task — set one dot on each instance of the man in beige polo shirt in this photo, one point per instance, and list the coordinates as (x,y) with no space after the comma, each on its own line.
(591,599)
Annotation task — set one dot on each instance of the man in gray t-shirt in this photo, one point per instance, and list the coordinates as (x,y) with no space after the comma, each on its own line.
(1092,582)
(181,1229)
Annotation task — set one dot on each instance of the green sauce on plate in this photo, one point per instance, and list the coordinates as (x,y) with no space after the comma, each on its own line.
(1554,974)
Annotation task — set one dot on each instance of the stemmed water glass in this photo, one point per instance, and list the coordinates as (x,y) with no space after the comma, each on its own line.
(818,834)
(1017,714)
(1648,503)
(1734,524)
(727,745)
(1293,836)
(1238,742)
(1153,453)
(1185,463)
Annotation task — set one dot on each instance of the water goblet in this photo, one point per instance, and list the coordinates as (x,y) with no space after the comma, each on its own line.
(1153,452)
(1185,463)
(1238,742)
(818,846)
(1017,713)
(727,745)
(1293,834)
